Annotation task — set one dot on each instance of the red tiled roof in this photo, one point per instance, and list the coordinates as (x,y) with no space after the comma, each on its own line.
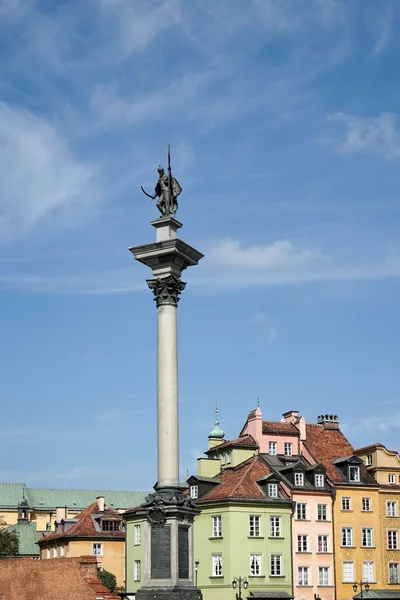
(244,441)
(280,428)
(240,481)
(85,526)
(52,579)
(328,444)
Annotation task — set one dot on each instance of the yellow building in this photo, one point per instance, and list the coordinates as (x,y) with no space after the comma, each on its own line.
(384,465)
(98,530)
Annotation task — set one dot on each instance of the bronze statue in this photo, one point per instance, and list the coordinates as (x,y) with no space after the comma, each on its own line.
(167,190)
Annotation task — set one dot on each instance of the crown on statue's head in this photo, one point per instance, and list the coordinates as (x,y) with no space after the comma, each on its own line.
(160,169)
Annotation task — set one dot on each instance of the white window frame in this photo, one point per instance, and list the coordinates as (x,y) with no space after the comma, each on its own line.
(391,508)
(299,511)
(354,473)
(303,576)
(348,578)
(391,478)
(97,548)
(216,523)
(368,460)
(272,448)
(275,527)
(394,572)
(216,565)
(288,449)
(322,512)
(319,480)
(346,502)
(323,539)
(366,504)
(255,565)
(324,576)
(368,570)
(367,537)
(301,538)
(273,490)
(393,539)
(347,535)
(276,567)
(137,538)
(254,526)
(299,479)
(137,568)
(194,492)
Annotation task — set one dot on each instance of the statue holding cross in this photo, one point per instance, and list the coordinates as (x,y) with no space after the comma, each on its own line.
(167,190)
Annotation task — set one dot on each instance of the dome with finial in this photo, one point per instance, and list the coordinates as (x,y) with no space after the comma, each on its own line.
(216,432)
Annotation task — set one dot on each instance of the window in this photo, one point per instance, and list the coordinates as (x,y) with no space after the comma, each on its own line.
(367,540)
(319,481)
(368,571)
(62,550)
(272,448)
(301,512)
(366,504)
(273,490)
(323,575)
(194,491)
(254,529)
(110,525)
(48,553)
(288,449)
(217,565)
(137,535)
(255,565)
(354,473)
(136,570)
(97,549)
(303,575)
(229,457)
(299,479)
(348,572)
(391,478)
(322,512)
(217,526)
(347,536)
(394,573)
(276,565)
(393,539)
(346,503)
(368,460)
(323,543)
(275,526)
(302,543)
(391,508)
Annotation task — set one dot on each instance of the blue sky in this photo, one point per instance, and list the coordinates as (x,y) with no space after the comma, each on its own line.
(283,122)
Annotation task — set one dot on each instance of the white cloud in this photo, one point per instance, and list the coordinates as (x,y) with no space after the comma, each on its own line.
(384,33)
(376,423)
(366,135)
(265,331)
(281,254)
(40,176)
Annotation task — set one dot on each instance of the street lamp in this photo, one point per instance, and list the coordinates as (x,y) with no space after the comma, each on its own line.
(239,582)
(196,568)
(363,585)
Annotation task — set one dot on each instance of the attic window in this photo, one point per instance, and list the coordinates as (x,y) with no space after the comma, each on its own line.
(110,525)
(354,473)
(299,478)
(368,460)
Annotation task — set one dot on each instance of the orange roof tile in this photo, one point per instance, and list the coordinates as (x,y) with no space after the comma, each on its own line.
(279,427)
(246,441)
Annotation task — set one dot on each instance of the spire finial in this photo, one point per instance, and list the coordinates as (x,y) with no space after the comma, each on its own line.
(258,401)
(216,413)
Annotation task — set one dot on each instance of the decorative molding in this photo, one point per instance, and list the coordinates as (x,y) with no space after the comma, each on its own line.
(166,290)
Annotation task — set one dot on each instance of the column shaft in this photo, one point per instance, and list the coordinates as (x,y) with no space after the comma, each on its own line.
(167,397)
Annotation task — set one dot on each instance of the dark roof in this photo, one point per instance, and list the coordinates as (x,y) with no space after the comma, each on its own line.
(243,441)
(280,427)
(279,465)
(269,594)
(205,479)
(85,525)
(379,595)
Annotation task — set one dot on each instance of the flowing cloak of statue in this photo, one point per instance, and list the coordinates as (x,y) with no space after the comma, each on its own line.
(162,186)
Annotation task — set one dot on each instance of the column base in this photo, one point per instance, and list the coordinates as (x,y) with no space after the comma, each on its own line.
(168,593)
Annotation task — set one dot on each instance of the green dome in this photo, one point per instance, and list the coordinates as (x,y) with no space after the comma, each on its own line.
(216,432)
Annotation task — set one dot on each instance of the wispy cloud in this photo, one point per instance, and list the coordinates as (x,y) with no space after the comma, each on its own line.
(384,29)
(365,135)
(374,423)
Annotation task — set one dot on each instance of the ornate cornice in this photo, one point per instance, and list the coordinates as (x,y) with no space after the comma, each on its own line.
(166,290)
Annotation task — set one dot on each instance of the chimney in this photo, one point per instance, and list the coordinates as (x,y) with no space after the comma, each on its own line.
(290,416)
(61,513)
(100,503)
(253,426)
(328,421)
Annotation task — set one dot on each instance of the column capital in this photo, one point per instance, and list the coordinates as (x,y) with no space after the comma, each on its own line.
(166,290)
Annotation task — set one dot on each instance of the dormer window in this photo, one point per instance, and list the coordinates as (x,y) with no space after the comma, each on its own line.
(272,448)
(319,481)
(354,473)
(110,525)
(273,490)
(194,491)
(299,479)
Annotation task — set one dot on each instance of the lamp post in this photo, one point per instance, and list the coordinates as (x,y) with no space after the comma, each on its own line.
(239,582)
(363,585)
(196,568)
